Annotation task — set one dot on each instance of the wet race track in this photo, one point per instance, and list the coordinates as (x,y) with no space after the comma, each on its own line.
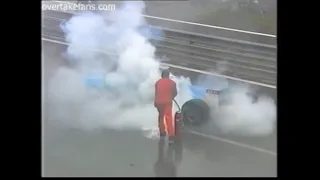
(200,152)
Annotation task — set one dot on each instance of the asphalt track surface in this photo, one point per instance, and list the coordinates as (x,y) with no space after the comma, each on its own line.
(72,152)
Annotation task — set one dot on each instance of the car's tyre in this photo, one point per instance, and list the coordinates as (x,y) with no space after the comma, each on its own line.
(195,112)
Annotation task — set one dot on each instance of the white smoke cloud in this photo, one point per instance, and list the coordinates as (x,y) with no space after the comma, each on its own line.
(245,117)
(117,58)
(242,114)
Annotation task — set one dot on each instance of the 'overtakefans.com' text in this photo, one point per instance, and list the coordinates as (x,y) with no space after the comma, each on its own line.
(79,7)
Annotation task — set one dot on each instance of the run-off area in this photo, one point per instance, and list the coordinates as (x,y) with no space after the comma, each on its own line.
(75,152)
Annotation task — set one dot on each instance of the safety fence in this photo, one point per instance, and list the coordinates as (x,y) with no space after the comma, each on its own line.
(244,59)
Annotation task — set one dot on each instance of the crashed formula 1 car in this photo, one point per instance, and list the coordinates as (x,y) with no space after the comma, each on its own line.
(206,102)
(194,112)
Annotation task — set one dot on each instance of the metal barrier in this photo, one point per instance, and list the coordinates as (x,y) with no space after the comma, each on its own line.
(206,29)
(247,60)
(203,29)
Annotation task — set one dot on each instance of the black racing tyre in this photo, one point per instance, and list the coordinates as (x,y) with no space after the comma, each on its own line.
(195,112)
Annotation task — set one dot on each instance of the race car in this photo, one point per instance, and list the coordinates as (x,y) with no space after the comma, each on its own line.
(205,102)
(194,112)
(197,110)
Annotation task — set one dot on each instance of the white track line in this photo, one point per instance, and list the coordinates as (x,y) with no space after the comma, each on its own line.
(211,26)
(192,23)
(55,18)
(181,67)
(220,75)
(194,132)
(212,137)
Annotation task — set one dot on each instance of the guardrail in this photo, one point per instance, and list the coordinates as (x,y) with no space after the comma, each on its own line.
(252,61)
(173,66)
(205,28)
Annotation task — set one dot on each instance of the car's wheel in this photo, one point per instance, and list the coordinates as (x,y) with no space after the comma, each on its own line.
(195,112)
